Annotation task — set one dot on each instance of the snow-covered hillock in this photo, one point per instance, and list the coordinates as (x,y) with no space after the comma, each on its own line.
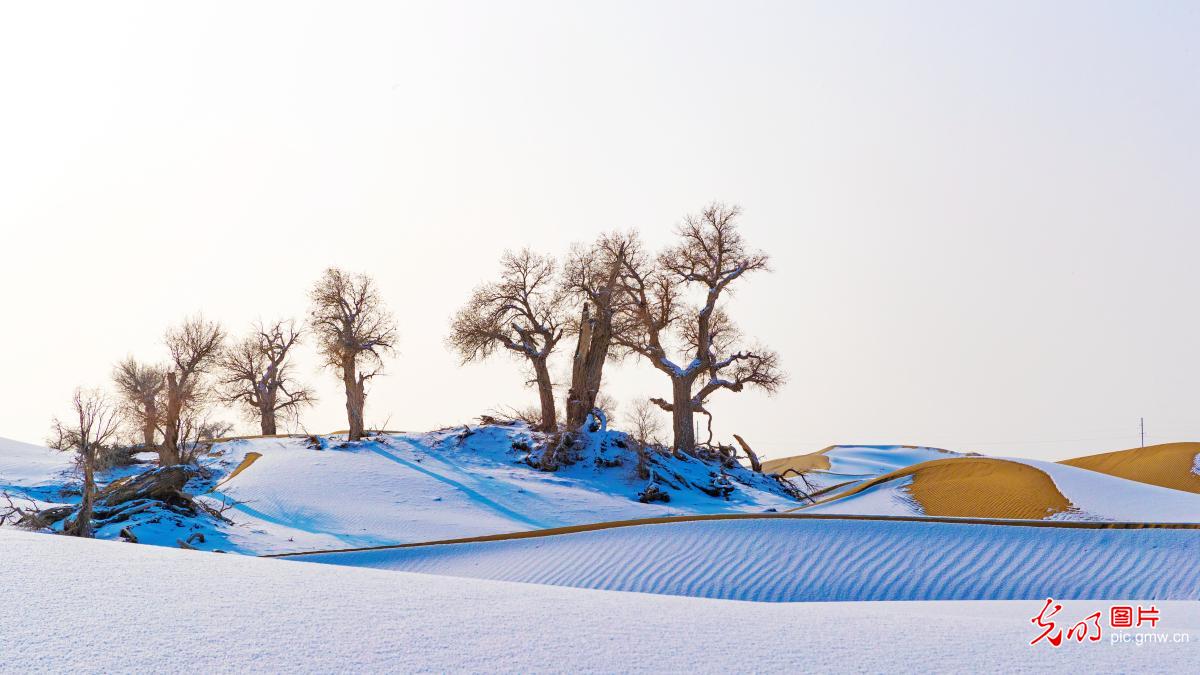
(839,468)
(282,494)
(33,474)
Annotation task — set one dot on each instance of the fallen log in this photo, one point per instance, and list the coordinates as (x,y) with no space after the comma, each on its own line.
(161,485)
(40,520)
(158,489)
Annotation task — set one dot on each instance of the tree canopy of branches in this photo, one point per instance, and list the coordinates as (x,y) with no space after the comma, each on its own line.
(193,347)
(141,387)
(92,426)
(256,374)
(592,274)
(353,330)
(709,257)
(522,312)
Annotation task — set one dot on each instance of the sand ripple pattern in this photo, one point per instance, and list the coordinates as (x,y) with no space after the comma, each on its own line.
(796,560)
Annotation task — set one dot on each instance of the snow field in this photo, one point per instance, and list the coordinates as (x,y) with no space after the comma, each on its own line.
(188,611)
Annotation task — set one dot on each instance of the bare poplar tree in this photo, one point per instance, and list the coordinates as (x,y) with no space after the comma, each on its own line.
(709,257)
(644,429)
(255,373)
(141,390)
(522,312)
(197,430)
(593,274)
(92,427)
(193,347)
(353,330)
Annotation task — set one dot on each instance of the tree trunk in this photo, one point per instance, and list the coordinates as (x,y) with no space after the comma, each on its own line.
(546,394)
(355,399)
(148,434)
(168,456)
(149,417)
(595,335)
(681,415)
(267,420)
(81,526)
(168,452)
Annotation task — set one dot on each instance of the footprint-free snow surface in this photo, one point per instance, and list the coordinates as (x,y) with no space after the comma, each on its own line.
(289,494)
(402,488)
(190,611)
(33,472)
(841,467)
(787,560)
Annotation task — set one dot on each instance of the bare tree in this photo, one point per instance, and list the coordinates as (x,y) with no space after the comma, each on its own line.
(605,408)
(522,312)
(93,426)
(197,430)
(193,347)
(141,389)
(12,514)
(593,274)
(709,257)
(256,374)
(353,330)
(645,427)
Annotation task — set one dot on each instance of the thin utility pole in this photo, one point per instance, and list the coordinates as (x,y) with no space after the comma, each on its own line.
(1142,423)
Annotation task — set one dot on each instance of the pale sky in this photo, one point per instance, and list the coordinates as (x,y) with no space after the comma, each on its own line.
(983,217)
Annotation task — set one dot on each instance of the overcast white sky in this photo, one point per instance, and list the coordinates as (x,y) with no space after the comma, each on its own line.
(983,216)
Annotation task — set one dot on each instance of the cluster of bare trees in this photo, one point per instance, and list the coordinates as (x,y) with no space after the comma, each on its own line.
(618,300)
(170,404)
(168,407)
(612,297)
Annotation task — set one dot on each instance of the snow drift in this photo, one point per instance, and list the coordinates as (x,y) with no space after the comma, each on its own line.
(843,467)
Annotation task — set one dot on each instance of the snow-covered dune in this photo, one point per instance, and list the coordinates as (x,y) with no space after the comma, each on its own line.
(190,611)
(842,467)
(32,472)
(785,560)
(31,465)
(1011,488)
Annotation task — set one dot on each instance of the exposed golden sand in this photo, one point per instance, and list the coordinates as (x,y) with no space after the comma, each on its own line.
(1169,465)
(249,459)
(813,461)
(977,487)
